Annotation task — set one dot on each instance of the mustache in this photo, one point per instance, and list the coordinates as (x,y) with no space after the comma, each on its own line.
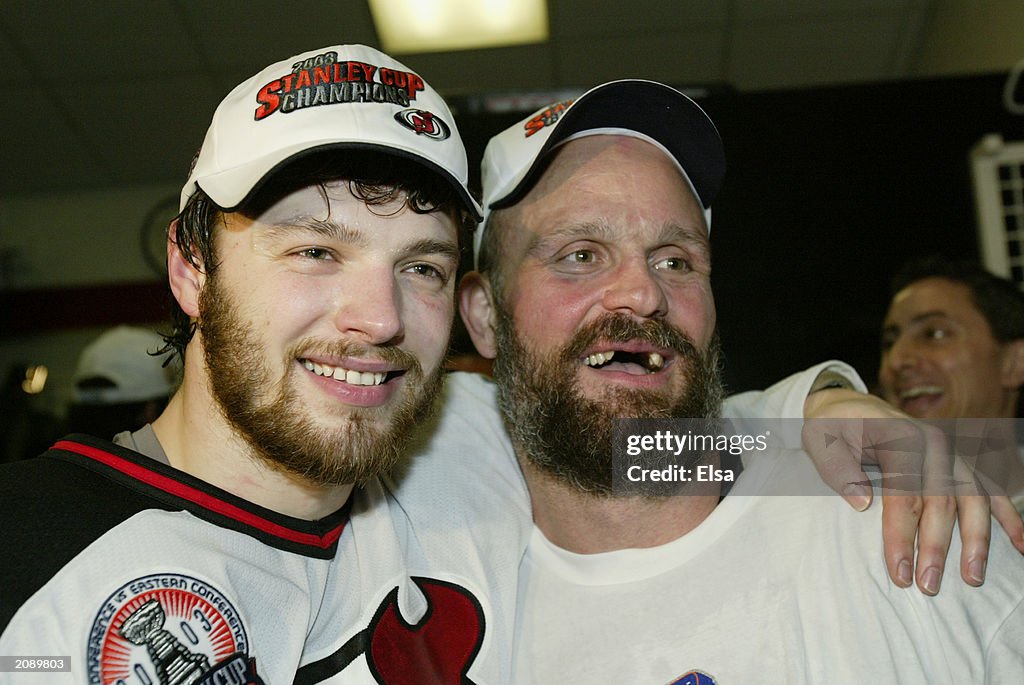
(621,328)
(311,347)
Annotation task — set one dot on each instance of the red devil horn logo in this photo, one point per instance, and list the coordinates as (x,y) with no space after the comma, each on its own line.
(436,651)
(423,123)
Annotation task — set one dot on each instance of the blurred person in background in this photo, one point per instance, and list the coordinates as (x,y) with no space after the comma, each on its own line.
(953,348)
(120,382)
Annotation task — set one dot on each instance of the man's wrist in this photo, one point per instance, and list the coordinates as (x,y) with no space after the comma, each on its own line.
(828,387)
(828,380)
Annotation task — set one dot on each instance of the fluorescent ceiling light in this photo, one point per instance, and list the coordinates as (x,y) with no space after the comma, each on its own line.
(406,26)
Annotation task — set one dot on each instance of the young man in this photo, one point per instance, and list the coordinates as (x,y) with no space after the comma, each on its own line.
(313,267)
(594,299)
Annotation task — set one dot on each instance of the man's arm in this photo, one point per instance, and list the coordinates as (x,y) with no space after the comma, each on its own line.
(921,508)
(833,395)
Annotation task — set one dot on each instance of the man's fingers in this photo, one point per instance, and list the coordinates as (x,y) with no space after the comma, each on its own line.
(973,512)
(837,463)
(933,537)
(900,517)
(1009,519)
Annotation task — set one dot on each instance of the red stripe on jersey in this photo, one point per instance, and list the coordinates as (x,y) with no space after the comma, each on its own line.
(205,500)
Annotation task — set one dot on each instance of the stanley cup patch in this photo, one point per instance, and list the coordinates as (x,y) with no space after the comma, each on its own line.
(168,629)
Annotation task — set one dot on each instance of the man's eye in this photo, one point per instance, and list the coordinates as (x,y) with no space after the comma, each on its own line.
(672,264)
(581,257)
(315,253)
(936,333)
(428,271)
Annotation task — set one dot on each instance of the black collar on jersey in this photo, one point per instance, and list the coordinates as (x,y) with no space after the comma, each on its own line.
(177,490)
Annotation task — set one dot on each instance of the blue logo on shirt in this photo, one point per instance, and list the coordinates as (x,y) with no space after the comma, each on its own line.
(694,678)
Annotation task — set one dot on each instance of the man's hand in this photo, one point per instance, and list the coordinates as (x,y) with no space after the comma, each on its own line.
(924,488)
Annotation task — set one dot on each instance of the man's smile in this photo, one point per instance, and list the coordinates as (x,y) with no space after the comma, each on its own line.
(630,362)
(350,376)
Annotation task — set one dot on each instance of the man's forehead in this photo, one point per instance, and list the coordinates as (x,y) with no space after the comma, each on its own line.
(308,201)
(589,145)
(591,155)
(934,292)
(930,299)
(331,209)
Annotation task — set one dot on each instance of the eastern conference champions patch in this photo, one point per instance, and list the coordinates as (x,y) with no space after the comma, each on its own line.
(166,629)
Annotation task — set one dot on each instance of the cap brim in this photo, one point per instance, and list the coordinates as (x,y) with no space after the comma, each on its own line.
(230,189)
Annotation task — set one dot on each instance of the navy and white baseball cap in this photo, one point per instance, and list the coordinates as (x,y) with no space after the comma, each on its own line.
(340,97)
(663,116)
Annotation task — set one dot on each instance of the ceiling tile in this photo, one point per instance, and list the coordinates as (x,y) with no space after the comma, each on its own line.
(470,72)
(257,33)
(40,151)
(14,70)
(677,57)
(789,54)
(150,136)
(752,10)
(571,18)
(84,40)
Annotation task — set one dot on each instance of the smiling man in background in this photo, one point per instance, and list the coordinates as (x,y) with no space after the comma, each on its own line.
(953,348)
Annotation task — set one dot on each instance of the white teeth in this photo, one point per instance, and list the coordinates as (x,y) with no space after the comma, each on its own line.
(345,375)
(654,361)
(600,358)
(921,390)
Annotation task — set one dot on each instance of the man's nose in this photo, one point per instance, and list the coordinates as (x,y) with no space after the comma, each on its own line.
(634,288)
(370,309)
(900,356)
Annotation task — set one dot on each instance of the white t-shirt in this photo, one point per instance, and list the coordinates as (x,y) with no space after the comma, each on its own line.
(469,507)
(768,589)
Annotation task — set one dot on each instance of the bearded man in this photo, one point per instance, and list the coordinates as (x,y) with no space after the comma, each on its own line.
(594,298)
(313,268)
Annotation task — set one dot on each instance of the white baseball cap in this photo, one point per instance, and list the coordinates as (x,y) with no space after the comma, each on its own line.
(122,357)
(515,158)
(340,97)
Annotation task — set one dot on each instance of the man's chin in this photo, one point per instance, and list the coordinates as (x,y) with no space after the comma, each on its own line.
(620,396)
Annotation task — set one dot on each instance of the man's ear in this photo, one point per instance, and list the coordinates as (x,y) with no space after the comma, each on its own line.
(1013,364)
(185,278)
(476,305)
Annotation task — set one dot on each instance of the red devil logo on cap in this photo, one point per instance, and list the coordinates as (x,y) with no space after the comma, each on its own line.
(423,123)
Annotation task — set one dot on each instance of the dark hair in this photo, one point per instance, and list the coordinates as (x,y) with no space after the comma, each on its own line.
(375,177)
(998,299)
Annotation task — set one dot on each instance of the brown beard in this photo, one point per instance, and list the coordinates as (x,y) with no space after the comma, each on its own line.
(569,436)
(283,431)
